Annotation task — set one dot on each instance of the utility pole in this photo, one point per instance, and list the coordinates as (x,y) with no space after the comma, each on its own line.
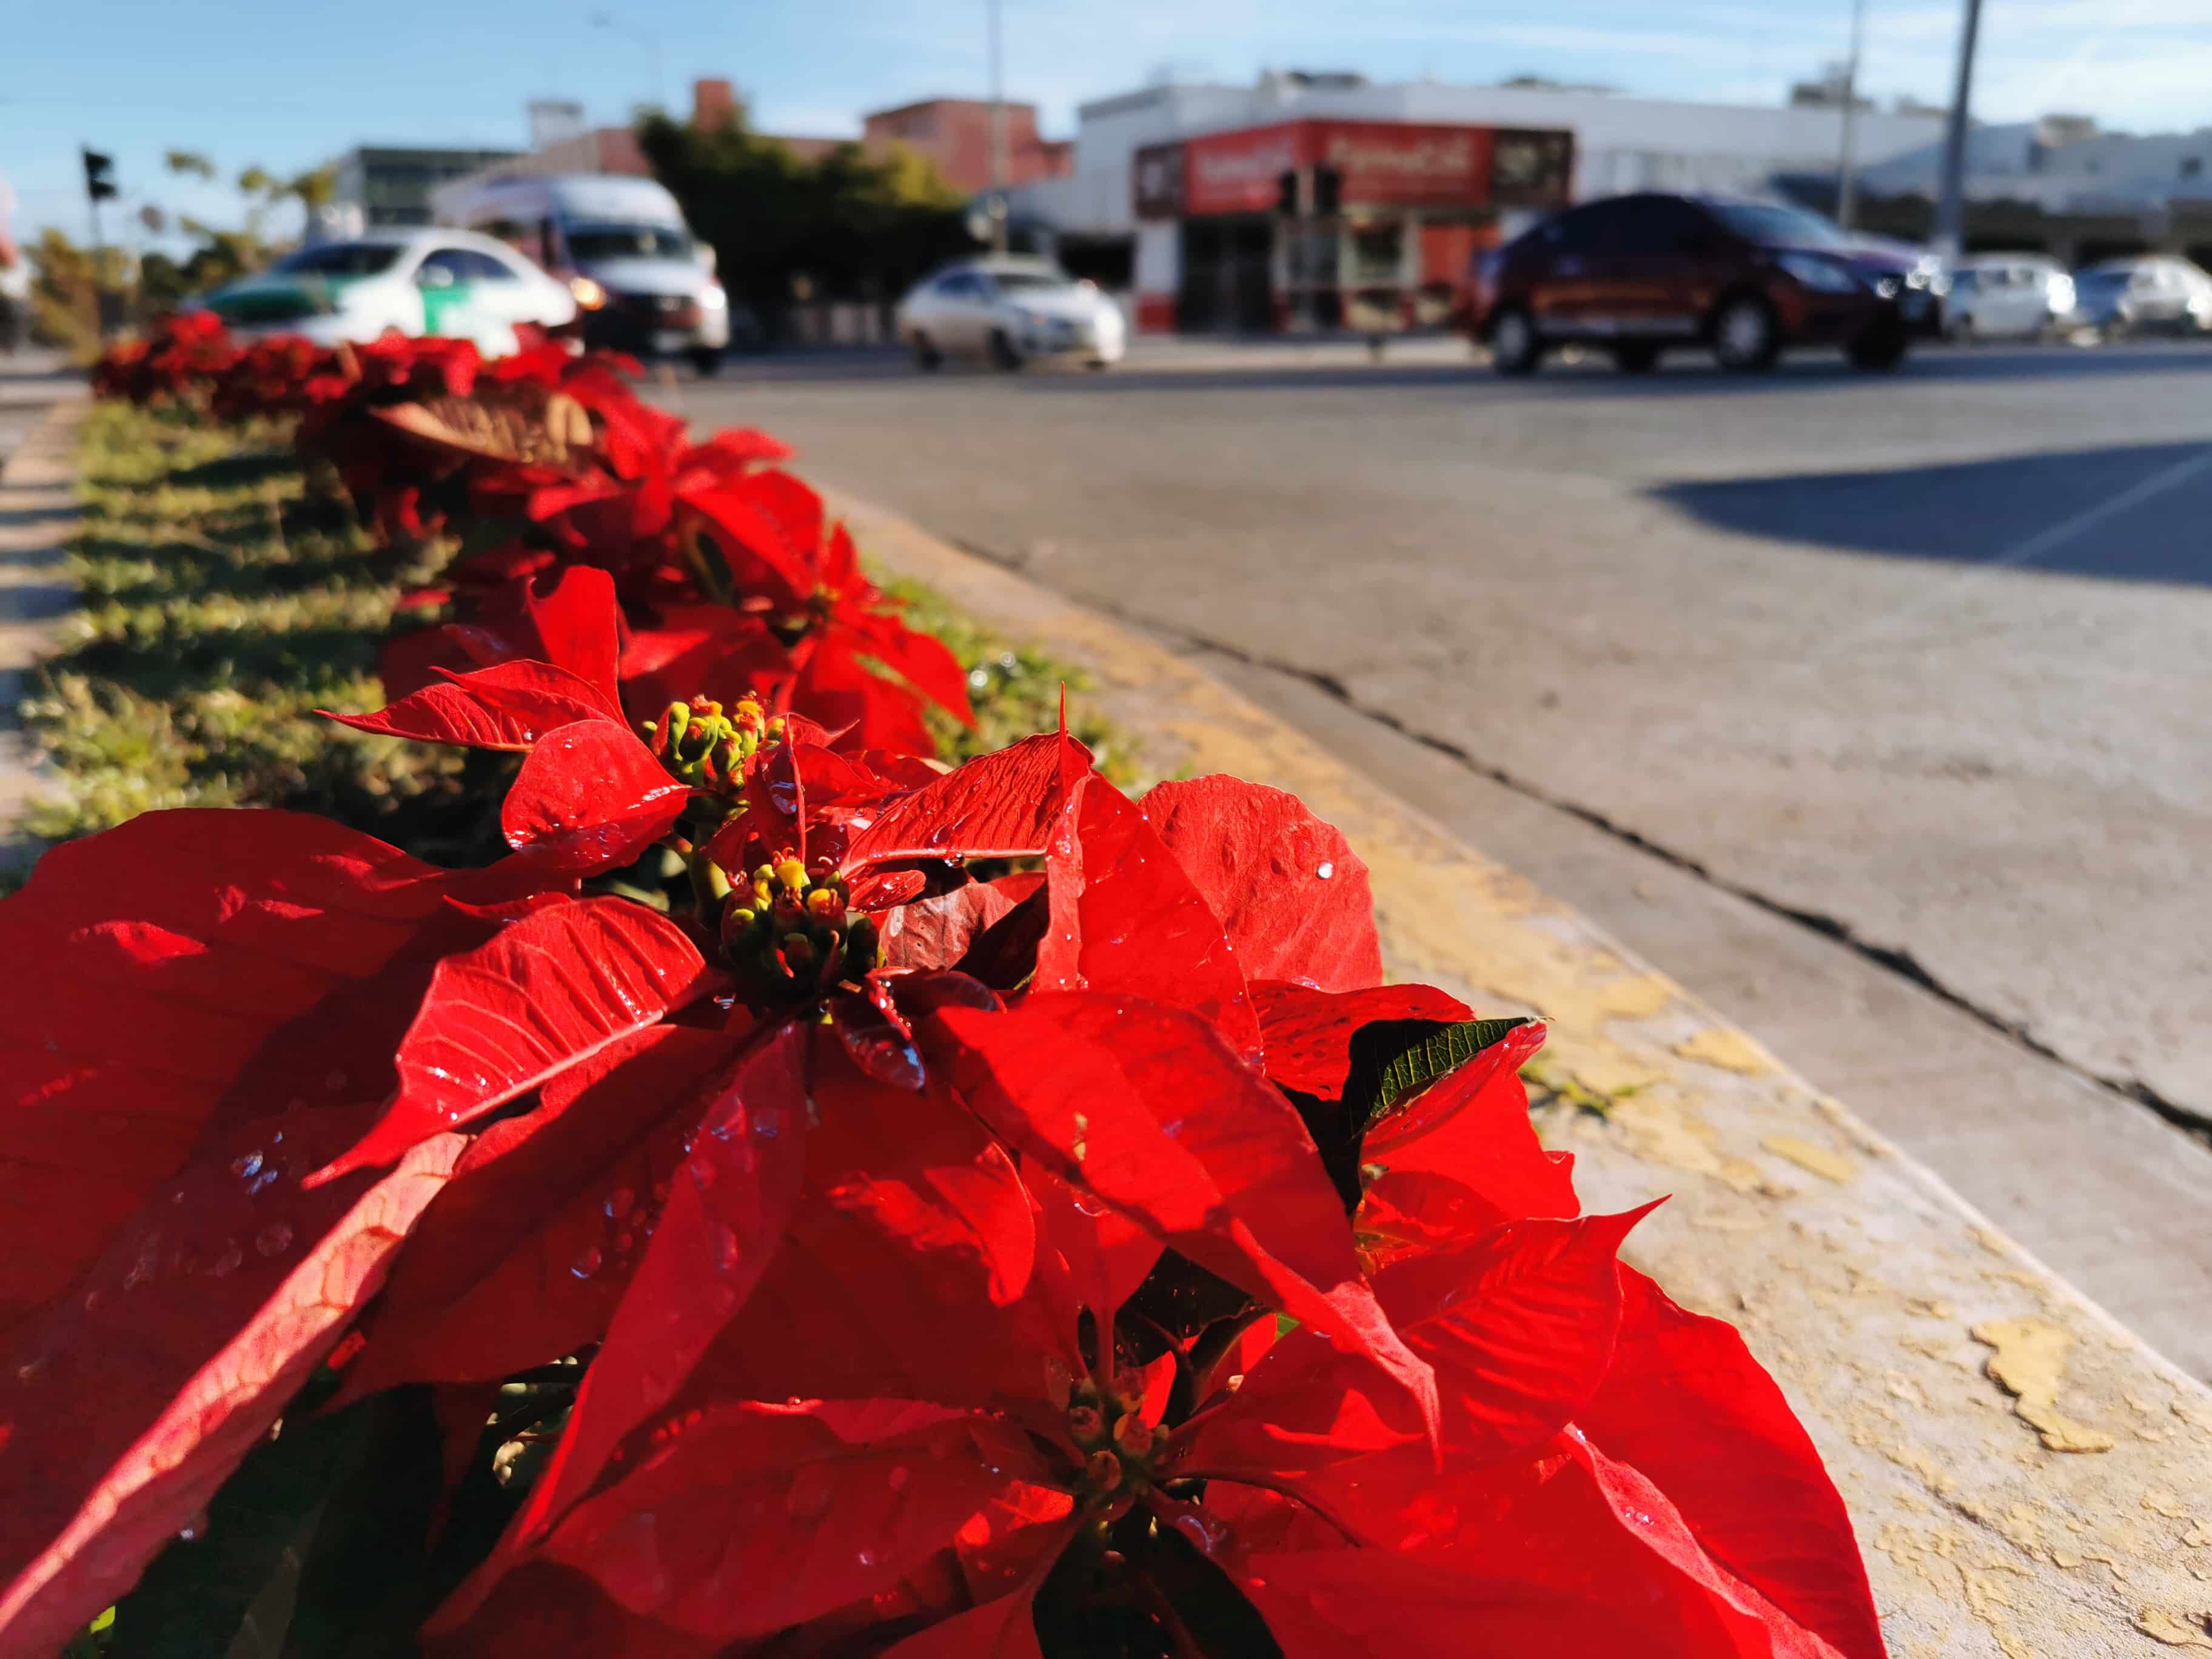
(1847,163)
(1951,200)
(998,131)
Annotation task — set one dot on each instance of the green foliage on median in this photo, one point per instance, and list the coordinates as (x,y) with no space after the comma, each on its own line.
(228,593)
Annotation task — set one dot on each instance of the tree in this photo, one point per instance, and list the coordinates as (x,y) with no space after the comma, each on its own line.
(850,225)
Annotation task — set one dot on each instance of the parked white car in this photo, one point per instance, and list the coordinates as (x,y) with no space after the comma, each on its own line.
(448,283)
(2007,296)
(1010,310)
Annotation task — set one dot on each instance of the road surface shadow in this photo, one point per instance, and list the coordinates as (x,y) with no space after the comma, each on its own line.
(2136,512)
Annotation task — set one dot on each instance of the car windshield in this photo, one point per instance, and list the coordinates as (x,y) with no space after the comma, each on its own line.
(628,242)
(2104,280)
(1031,282)
(340,259)
(1762,221)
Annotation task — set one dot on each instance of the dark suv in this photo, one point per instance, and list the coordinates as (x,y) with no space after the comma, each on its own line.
(1742,279)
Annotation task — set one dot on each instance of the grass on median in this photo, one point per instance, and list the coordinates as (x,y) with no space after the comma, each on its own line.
(227,593)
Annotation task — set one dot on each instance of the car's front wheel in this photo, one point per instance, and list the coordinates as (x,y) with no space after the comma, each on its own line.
(927,357)
(1747,335)
(1516,348)
(706,360)
(1004,355)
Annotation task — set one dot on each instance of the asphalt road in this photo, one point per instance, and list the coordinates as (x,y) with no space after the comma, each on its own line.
(1920,658)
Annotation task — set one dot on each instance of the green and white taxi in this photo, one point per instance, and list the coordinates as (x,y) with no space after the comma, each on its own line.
(448,283)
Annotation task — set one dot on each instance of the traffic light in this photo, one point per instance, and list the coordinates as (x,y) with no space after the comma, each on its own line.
(1327,192)
(1286,193)
(99,175)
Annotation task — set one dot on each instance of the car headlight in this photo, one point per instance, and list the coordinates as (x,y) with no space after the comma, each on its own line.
(712,297)
(589,294)
(1822,276)
(2061,293)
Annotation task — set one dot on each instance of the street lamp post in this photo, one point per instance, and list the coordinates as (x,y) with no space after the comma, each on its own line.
(998,131)
(1847,167)
(1951,201)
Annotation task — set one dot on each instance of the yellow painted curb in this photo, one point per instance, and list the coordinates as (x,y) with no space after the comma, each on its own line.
(2029,1481)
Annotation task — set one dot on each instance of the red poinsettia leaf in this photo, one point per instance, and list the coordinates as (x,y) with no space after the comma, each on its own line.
(909,1259)
(1473,1129)
(757,1516)
(578,627)
(510,706)
(1690,1409)
(1519,1326)
(1106,1254)
(1004,1627)
(742,446)
(705,650)
(868,710)
(725,1212)
(122,1409)
(1291,893)
(877,1038)
(1002,805)
(1145,1108)
(936,932)
(547,993)
(1308,1033)
(923,660)
(543,1607)
(526,1255)
(193,968)
(409,662)
(749,521)
(589,796)
(1125,917)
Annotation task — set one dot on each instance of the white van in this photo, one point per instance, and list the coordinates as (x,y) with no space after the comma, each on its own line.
(642,282)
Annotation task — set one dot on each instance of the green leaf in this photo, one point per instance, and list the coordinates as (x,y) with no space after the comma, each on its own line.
(1392,1060)
(258,1568)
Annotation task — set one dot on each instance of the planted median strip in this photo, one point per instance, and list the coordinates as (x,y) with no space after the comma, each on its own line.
(787,1190)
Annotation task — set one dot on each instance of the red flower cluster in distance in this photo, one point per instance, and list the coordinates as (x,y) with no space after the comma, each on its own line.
(732,579)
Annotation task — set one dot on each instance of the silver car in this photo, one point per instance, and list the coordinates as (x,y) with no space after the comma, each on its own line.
(1010,310)
(2159,293)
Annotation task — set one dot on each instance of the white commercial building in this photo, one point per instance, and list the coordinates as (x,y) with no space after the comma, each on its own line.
(1619,144)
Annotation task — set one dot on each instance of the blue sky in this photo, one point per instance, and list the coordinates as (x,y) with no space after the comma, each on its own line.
(290,85)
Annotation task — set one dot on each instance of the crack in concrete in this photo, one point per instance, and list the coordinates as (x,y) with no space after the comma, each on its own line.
(1890,958)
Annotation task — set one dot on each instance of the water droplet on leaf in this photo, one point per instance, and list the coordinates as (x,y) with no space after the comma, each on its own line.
(273,1238)
(586,1264)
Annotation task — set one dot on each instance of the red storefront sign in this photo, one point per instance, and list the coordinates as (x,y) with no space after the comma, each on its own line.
(1382,164)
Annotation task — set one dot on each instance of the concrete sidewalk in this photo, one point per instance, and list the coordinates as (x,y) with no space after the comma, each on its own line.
(2028,1479)
(39,425)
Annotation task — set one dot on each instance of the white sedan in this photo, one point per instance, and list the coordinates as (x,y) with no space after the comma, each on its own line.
(1010,310)
(448,283)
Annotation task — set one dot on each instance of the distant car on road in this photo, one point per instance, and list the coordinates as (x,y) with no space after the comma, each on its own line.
(2156,293)
(644,284)
(1010,310)
(1640,275)
(448,283)
(2005,296)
